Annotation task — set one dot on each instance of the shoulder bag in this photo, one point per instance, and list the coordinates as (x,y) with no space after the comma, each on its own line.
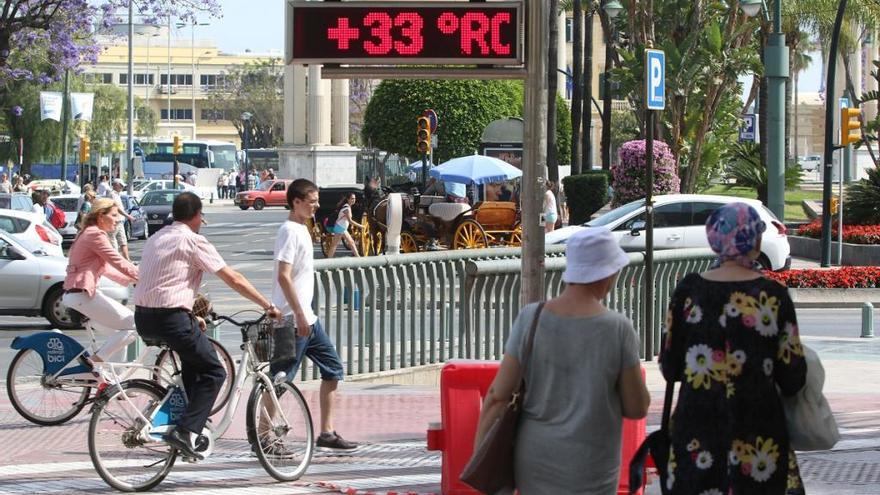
(808,417)
(657,444)
(491,469)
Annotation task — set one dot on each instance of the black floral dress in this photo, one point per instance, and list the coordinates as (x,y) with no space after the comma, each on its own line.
(735,347)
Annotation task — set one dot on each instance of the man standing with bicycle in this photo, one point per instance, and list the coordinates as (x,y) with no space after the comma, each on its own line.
(171,269)
(300,333)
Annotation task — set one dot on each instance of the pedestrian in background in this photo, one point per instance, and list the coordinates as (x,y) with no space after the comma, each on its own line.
(221,186)
(84,204)
(581,378)
(118,238)
(230,185)
(18,184)
(344,217)
(732,340)
(5,185)
(104,187)
(550,210)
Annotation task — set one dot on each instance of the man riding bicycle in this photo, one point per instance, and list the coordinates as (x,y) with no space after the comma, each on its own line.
(171,269)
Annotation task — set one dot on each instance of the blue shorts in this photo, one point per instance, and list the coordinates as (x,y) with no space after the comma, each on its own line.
(550,218)
(336,229)
(291,348)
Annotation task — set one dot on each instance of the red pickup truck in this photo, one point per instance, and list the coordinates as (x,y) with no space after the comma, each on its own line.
(270,193)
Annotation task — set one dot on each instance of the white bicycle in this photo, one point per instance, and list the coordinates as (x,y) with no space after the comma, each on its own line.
(129,421)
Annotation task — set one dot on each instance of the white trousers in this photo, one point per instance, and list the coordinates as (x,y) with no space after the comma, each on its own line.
(108,317)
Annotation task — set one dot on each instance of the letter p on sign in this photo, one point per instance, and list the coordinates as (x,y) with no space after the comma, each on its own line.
(655,79)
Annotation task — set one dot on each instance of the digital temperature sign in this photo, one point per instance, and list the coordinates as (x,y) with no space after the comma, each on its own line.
(424,33)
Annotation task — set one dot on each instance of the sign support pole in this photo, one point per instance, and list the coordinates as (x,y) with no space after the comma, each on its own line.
(649,235)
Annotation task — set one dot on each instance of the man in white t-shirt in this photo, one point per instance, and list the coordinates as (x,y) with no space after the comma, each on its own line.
(300,333)
(104,187)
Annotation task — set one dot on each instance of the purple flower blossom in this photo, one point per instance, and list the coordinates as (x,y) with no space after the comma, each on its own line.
(628,178)
(17,111)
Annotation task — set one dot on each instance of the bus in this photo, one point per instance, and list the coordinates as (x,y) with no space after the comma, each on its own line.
(195,155)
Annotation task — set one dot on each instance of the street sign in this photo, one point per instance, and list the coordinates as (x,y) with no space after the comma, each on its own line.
(655,79)
(844,102)
(748,130)
(406,32)
(432,117)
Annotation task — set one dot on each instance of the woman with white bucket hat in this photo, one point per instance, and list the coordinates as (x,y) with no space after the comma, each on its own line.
(582,378)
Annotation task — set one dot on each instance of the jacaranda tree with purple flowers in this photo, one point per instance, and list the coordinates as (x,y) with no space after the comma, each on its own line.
(40,39)
(628,176)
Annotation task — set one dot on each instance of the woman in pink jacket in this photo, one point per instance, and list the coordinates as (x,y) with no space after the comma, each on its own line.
(91,257)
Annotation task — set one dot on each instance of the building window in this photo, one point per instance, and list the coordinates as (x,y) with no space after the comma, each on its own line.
(177,79)
(98,78)
(139,79)
(177,114)
(213,114)
(569,29)
(212,80)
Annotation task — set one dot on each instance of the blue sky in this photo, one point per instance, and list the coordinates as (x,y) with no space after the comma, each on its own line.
(258,25)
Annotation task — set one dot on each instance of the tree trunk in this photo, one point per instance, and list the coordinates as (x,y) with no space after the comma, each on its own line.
(577,87)
(552,83)
(588,92)
(797,104)
(608,30)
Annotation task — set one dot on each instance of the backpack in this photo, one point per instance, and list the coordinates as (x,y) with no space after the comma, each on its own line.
(57,220)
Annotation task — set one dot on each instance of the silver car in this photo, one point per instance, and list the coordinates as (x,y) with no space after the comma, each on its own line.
(32,284)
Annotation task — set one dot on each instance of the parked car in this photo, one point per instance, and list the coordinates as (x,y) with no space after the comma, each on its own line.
(32,284)
(143,186)
(680,222)
(155,207)
(270,193)
(55,186)
(810,163)
(16,201)
(32,230)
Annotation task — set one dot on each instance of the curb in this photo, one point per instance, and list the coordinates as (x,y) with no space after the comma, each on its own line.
(355,491)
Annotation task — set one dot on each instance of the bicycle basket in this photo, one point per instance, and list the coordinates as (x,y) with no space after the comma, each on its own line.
(262,337)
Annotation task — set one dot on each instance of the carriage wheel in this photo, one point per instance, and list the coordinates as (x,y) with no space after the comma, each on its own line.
(408,243)
(469,235)
(325,243)
(314,230)
(378,243)
(516,236)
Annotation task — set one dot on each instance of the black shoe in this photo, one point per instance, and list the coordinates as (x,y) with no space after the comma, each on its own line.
(181,440)
(332,440)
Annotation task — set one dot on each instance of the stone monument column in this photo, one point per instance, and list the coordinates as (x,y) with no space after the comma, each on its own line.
(340,92)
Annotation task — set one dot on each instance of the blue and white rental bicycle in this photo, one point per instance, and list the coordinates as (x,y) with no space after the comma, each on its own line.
(129,421)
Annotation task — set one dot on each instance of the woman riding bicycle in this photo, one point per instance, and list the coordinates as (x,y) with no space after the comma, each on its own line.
(91,257)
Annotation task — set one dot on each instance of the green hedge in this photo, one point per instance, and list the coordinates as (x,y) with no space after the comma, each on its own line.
(585,194)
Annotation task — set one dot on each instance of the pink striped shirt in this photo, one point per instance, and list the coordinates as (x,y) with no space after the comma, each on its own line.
(171,267)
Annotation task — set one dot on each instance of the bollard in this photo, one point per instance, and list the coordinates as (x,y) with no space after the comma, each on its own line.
(212,198)
(867,320)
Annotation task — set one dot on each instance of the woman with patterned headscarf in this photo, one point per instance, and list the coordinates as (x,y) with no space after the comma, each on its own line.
(732,340)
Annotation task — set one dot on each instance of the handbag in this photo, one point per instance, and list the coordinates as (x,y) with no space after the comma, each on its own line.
(491,469)
(808,417)
(657,444)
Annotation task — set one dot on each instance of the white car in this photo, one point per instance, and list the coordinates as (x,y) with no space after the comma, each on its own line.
(32,230)
(810,163)
(32,284)
(142,187)
(680,222)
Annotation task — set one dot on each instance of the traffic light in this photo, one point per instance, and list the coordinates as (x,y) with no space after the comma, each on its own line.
(84,150)
(178,148)
(423,135)
(835,205)
(850,126)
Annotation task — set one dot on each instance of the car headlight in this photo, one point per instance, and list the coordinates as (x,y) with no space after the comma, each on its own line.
(245,197)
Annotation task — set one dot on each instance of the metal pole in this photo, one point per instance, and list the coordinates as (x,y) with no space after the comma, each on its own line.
(867,320)
(776,69)
(129,142)
(829,136)
(192,56)
(65,124)
(168,75)
(649,236)
(246,173)
(534,152)
(587,115)
(843,166)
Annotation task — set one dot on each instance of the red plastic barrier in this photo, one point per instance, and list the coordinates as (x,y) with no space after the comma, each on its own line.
(463,384)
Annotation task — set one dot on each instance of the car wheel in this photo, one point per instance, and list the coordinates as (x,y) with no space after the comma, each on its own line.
(764,261)
(243,207)
(259,204)
(56,312)
(146,233)
(127,231)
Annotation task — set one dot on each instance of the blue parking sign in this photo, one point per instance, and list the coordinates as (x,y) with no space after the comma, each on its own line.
(655,79)
(749,127)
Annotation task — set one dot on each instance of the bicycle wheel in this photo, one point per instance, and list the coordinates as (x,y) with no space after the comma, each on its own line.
(122,457)
(37,397)
(164,361)
(282,439)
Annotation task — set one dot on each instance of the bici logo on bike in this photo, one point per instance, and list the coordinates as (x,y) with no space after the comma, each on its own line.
(178,406)
(55,353)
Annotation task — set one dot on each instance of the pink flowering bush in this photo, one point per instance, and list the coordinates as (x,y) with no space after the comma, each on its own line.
(628,177)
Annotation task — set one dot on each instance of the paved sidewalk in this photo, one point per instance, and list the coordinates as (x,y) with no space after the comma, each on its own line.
(391,420)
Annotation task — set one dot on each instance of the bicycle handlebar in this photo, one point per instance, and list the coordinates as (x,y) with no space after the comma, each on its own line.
(240,324)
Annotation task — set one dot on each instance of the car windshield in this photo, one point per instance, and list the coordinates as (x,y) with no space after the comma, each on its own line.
(615,214)
(66,204)
(265,186)
(158,198)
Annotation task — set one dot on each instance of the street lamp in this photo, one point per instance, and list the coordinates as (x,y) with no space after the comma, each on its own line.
(192,48)
(612,8)
(246,118)
(776,72)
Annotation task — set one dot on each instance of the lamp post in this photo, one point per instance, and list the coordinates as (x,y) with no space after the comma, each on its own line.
(129,140)
(612,8)
(246,118)
(776,72)
(192,51)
